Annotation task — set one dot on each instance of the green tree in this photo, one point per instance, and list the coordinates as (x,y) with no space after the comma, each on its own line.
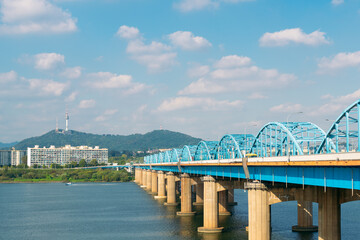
(24,160)
(82,163)
(93,162)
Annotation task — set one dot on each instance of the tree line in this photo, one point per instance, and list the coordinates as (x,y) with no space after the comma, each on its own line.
(63,175)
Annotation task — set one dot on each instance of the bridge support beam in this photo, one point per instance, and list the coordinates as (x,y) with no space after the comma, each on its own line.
(223,203)
(144,178)
(199,193)
(171,192)
(154,182)
(148,180)
(305,217)
(161,185)
(136,175)
(259,211)
(186,204)
(231,197)
(211,217)
(329,214)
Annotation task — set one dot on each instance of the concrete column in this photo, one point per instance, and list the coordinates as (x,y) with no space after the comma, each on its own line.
(259,211)
(329,215)
(305,218)
(223,203)
(148,180)
(161,185)
(231,197)
(154,182)
(211,218)
(144,178)
(199,194)
(186,204)
(136,175)
(171,194)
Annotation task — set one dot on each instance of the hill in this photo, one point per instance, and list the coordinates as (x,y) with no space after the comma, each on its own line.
(136,142)
(7,145)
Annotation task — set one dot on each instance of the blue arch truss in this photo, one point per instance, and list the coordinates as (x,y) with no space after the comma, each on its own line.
(233,146)
(288,138)
(343,135)
(206,150)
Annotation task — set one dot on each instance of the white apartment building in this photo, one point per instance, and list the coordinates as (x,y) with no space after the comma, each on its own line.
(63,155)
(11,157)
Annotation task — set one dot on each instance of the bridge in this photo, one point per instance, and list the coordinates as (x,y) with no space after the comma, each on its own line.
(285,161)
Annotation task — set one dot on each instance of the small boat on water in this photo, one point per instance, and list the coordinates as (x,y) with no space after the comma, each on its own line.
(68,184)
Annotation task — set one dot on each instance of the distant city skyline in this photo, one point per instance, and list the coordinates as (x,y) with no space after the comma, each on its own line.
(204,68)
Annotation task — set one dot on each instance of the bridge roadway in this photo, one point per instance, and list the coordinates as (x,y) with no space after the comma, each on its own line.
(328,179)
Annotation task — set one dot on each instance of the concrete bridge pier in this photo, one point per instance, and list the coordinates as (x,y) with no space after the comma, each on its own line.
(329,214)
(171,192)
(161,185)
(199,193)
(305,217)
(211,217)
(259,211)
(154,182)
(148,180)
(137,179)
(231,197)
(223,203)
(143,178)
(186,203)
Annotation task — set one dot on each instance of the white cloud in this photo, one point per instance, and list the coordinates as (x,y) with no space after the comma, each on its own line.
(237,76)
(110,80)
(194,5)
(287,108)
(110,111)
(156,56)
(90,103)
(72,73)
(339,61)
(105,116)
(191,5)
(337,2)
(187,41)
(256,95)
(127,32)
(293,35)
(100,118)
(34,16)
(8,77)
(47,61)
(178,103)
(232,61)
(107,80)
(71,97)
(47,87)
(198,71)
(335,104)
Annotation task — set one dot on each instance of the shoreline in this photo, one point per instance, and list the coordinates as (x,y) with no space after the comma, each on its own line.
(16,182)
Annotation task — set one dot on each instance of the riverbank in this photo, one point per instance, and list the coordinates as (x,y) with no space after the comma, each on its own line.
(13,175)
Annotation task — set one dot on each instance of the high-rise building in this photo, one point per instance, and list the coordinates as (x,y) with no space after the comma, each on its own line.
(63,155)
(11,157)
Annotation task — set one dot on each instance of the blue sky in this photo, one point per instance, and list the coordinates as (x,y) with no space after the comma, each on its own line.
(203,67)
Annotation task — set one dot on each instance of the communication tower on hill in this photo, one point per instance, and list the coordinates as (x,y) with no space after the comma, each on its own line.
(66,121)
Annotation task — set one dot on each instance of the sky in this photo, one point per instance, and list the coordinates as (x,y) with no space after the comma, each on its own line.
(201,67)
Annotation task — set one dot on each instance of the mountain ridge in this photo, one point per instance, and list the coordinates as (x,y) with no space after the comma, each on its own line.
(135,142)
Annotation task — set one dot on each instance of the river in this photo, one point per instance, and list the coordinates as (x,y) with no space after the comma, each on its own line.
(125,211)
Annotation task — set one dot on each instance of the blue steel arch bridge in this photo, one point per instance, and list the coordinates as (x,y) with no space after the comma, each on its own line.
(284,143)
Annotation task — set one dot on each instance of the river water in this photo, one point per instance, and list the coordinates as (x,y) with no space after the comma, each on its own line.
(125,211)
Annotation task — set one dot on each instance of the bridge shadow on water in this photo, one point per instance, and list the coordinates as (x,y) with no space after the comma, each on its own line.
(284,216)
